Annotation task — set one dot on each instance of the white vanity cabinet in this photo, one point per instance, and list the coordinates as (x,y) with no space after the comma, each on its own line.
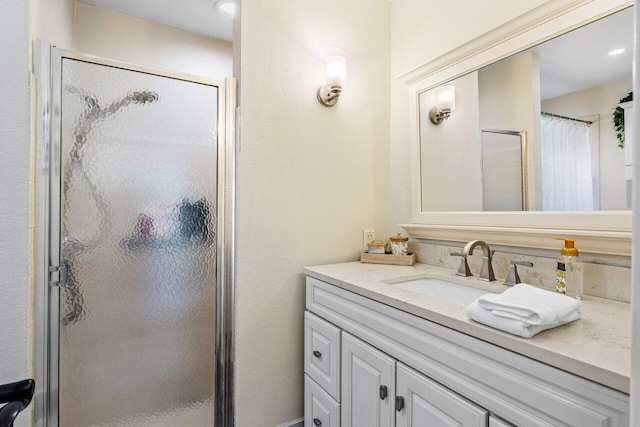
(398,369)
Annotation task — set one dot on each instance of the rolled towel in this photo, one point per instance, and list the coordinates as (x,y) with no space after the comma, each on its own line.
(512,326)
(530,305)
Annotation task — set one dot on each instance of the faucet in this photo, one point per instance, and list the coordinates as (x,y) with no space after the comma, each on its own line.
(464,269)
(486,272)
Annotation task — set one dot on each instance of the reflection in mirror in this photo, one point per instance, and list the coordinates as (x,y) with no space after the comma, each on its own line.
(535,131)
(504,173)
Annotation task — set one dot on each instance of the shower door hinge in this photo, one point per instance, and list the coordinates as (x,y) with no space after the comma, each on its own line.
(58,276)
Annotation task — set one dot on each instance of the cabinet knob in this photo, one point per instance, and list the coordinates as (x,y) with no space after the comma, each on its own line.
(399,403)
(384,392)
(317,422)
(317,354)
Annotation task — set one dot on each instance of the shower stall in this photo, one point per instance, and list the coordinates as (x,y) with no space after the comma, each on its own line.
(134,298)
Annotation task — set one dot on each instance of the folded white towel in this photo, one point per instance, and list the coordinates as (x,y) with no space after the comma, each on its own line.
(530,305)
(512,326)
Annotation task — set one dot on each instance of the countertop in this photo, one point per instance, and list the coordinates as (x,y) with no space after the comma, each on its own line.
(596,347)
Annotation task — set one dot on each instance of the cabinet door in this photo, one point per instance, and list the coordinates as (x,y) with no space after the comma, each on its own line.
(423,402)
(368,385)
(320,410)
(322,353)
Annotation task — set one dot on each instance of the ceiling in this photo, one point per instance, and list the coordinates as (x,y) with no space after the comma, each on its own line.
(580,59)
(197,16)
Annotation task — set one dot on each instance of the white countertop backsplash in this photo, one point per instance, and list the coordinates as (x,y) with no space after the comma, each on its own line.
(602,281)
(596,347)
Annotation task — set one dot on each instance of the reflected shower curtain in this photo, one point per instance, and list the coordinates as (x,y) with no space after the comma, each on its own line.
(567,177)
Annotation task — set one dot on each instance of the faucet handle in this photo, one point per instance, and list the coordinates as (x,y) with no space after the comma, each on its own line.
(513,278)
(464,269)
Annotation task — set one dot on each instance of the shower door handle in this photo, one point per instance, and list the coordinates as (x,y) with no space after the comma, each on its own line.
(58,275)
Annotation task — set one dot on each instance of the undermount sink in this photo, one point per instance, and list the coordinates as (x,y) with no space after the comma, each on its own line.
(442,289)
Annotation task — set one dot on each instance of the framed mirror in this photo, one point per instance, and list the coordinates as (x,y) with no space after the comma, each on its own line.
(517,147)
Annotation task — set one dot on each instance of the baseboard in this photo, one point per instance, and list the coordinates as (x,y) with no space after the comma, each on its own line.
(295,423)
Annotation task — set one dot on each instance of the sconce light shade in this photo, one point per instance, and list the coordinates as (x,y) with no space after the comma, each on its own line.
(336,71)
(335,81)
(446,97)
(226,8)
(445,104)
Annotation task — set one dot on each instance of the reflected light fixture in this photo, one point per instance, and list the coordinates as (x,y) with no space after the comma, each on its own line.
(335,81)
(445,104)
(617,51)
(226,8)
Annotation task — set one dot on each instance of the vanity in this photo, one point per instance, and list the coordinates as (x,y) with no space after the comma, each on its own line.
(496,130)
(378,353)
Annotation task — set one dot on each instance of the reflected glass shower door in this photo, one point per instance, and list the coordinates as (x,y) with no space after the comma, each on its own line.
(138,183)
(504,180)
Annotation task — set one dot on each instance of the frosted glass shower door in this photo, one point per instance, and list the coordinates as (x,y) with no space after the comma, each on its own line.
(138,184)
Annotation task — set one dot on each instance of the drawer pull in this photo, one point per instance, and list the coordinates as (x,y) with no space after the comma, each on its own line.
(399,403)
(317,422)
(384,392)
(317,354)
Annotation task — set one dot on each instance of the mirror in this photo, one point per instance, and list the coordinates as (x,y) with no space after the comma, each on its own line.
(534,131)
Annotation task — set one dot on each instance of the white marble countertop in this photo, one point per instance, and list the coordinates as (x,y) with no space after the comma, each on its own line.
(596,347)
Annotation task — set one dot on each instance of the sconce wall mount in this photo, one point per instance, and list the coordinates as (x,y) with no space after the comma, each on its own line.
(438,117)
(328,95)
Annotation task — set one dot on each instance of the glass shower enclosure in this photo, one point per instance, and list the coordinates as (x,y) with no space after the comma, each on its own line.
(139,214)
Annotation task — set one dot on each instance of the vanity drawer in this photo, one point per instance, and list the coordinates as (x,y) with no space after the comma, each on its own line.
(320,409)
(322,353)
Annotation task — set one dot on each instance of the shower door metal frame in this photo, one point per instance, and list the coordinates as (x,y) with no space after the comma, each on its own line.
(524,162)
(47,71)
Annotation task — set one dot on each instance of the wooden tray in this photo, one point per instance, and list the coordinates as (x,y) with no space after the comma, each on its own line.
(391,259)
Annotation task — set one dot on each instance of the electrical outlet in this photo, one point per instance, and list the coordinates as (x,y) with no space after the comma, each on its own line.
(368,236)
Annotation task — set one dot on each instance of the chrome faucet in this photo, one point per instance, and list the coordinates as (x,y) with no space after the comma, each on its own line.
(486,272)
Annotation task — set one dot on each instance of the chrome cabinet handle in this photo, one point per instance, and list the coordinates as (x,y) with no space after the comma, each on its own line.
(317,422)
(399,403)
(384,392)
(317,354)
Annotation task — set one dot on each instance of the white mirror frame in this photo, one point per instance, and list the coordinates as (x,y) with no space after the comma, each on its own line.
(597,232)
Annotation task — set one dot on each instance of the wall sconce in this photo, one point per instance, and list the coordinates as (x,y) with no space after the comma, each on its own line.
(445,104)
(226,8)
(335,81)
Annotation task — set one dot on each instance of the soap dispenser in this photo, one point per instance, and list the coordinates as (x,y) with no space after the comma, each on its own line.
(569,270)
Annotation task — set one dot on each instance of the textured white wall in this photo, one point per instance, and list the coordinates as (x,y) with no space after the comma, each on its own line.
(113,35)
(310,178)
(52,20)
(15,227)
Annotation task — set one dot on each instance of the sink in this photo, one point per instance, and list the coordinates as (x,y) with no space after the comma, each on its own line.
(442,289)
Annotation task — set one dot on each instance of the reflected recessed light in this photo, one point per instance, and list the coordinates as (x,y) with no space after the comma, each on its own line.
(226,8)
(617,51)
